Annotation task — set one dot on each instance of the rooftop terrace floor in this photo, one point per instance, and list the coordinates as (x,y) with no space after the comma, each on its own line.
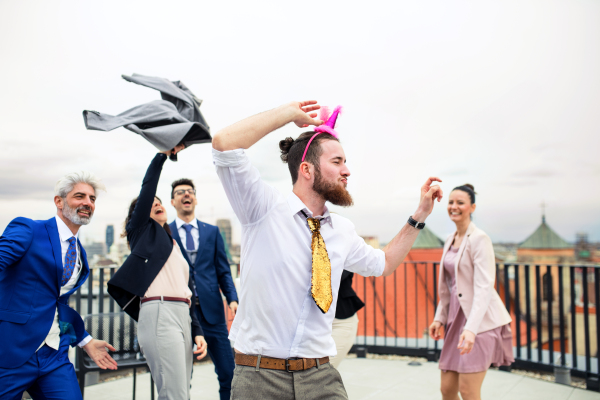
(368,379)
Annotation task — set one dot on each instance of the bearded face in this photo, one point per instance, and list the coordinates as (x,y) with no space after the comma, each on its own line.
(81,215)
(333,192)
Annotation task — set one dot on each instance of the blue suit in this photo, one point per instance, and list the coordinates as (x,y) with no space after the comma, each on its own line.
(211,271)
(31,269)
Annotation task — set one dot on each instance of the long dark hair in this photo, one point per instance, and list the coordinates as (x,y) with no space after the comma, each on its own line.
(130,213)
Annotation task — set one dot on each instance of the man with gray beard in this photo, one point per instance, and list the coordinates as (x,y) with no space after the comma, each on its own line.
(41,264)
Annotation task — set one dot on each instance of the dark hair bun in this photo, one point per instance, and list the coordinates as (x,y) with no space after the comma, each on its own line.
(470,187)
(285,145)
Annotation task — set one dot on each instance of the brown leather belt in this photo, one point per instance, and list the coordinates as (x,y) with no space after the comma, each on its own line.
(289,364)
(166,298)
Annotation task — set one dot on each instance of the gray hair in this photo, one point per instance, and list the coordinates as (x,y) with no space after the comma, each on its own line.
(66,184)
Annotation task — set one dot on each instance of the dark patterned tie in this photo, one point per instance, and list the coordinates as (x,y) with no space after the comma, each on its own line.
(70,259)
(189,240)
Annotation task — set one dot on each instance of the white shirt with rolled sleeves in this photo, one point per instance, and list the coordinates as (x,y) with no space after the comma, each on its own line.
(277,316)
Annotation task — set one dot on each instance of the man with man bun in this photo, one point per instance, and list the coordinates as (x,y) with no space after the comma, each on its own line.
(293,254)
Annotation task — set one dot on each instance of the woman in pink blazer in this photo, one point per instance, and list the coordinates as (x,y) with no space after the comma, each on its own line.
(477,323)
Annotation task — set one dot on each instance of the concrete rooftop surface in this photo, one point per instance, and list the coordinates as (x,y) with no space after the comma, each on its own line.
(368,379)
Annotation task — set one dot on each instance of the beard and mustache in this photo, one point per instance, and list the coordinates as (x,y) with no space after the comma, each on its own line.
(331,191)
(71,214)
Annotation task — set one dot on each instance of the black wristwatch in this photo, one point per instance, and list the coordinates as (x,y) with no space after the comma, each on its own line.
(413,222)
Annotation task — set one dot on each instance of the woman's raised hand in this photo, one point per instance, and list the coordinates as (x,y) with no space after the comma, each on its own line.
(176,150)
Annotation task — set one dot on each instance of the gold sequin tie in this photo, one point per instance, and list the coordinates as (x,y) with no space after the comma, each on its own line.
(321,268)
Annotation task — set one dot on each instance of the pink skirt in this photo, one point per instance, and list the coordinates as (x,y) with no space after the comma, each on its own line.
(493,347)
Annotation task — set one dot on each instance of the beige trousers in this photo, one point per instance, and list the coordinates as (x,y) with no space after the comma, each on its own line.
(165,337)
(343,334)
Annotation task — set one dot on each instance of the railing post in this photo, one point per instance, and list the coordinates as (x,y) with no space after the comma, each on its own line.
(561,315)
(528,310)
(405,305)
(573,316)
(383,307)
(586,320)
(596,381)
(365,308)
(517,310)
(426,305)
(101,303)
(538,313)
(435,300)
(550,319)
(395,308)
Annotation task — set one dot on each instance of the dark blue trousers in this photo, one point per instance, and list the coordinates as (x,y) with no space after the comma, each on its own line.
(47,375)
(219,350)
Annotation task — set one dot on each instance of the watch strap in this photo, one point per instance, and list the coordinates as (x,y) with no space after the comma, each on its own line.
(415,224)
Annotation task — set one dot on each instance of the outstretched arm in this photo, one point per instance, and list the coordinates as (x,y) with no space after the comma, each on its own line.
(243,134)
(397,250)
(141,212)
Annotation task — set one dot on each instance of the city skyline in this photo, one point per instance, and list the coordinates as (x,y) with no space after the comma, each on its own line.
(500,95)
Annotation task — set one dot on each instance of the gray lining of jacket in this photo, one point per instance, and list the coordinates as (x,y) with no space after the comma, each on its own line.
(166,123)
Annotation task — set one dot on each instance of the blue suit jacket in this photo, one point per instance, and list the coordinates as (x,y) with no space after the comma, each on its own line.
(210,271)
(31,269)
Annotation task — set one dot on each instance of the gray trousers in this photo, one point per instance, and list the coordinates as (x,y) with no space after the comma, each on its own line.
(165,337)
(318,383)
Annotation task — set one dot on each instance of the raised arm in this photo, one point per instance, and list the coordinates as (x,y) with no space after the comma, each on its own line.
(397,250)
(243,134)
(141,212)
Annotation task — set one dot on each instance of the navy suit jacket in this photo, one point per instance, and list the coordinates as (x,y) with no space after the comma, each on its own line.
(210,271)
(31,268)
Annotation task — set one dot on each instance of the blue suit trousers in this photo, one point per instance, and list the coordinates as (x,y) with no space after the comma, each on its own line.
(47,375)
(219,350)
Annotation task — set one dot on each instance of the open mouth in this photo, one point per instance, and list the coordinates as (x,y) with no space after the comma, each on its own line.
(84,213)
(187,202)
(159,211)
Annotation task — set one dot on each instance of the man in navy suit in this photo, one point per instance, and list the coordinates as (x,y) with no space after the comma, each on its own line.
(205,252)
(41,264)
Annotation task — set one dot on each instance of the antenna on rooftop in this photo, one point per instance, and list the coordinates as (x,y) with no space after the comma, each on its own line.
(543,205)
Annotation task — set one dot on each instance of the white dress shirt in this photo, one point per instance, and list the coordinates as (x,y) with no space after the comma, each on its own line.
(277,316)
(53,338)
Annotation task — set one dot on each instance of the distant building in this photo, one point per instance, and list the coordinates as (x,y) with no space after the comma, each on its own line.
(583,248)
(224,226)
(110,237)
(95,248)
(545,246)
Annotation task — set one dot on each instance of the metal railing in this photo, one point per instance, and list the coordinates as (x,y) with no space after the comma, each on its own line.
(554,310)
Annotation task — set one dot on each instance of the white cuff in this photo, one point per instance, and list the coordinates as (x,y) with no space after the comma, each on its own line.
(229,158)
(85,341)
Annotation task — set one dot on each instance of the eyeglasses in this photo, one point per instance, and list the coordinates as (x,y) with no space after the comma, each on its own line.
(181,192)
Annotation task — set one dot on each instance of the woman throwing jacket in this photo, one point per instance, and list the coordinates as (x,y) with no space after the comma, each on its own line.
(477,323)
(154,287)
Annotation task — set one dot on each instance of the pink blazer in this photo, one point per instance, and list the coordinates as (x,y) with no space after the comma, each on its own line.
(475,272)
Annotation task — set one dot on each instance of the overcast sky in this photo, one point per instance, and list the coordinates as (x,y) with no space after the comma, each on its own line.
(503,95)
